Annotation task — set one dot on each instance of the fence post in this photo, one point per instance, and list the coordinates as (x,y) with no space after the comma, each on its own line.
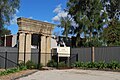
(6,60)
(68,61)
(92,54)
(39,59)
(17,58)
(77,57)
(57,60)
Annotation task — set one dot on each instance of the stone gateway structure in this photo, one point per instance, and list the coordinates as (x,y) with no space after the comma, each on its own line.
(29,27)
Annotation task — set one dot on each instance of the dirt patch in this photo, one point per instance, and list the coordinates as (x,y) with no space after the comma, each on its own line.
(80,73)
(2,69)
(12,76)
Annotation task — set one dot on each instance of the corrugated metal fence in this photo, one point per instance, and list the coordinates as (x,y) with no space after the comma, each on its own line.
(106,54)
(8,57)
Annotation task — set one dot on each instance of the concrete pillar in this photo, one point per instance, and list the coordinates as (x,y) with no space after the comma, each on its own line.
(28,47)
(24,47)
(43,49)
(46,54)
(21,46)
(48,48)
(49,44)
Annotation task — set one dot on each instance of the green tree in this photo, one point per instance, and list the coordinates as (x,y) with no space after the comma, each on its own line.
(5,31)
(65,22)
(7,10)
(111,34)
(112,8)
(88,15)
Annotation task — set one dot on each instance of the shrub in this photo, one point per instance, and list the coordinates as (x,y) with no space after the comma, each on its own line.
(62,64)
(91,65)
(113,65)
(101,65)
(119,66)
(30,65)
(40,66)
(78,64)
(3,73)
(8,71)
(52,63)
(21,63)
(22,66)
(98,65)
(84,65)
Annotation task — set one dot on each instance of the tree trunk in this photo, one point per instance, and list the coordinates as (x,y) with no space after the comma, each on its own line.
(1,25)
(92,54)
(90,36)
(92,49)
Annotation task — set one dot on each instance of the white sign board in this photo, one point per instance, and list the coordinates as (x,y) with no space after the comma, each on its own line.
(62,51)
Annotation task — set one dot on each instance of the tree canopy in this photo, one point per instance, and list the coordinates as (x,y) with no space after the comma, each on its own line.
(5,31)
(88,15)
(91,16)
(65,22)
(7,9)
(112,8)
(111,34)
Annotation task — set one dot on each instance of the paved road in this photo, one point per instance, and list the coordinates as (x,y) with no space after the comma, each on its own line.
(73,74)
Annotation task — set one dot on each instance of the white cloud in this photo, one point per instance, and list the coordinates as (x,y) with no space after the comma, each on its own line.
(63,14)
(45,21)
(17,11)
(14,20)
(31,17)
(56,19)
(58,9)
(60,13)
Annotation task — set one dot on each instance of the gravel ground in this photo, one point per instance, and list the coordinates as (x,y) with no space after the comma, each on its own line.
(73,74)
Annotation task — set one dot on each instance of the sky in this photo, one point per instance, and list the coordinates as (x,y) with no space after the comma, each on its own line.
(43,10)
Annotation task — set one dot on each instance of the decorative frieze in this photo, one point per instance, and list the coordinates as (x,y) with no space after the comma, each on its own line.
(35,26)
